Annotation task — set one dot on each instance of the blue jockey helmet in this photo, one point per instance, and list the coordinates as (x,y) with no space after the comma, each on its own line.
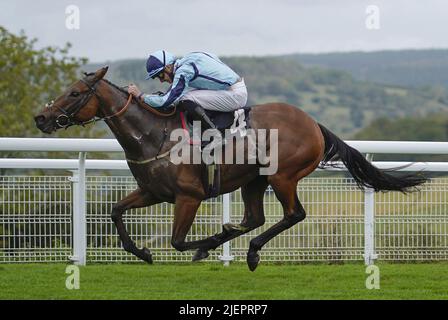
(157,61)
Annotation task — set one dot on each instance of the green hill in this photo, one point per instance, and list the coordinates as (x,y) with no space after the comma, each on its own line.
(332,97)
(402,67)
(433,127)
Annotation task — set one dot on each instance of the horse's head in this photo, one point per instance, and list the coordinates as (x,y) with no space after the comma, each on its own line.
(78,104)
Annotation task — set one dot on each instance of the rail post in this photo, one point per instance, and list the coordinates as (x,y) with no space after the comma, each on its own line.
(226,255)
(79,212)
(369,223)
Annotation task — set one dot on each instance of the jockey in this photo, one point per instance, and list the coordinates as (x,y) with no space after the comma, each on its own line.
(198,81)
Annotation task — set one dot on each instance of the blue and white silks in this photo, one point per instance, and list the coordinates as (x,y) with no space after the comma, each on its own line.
(195,71)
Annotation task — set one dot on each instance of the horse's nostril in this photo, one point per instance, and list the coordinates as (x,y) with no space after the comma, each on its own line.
(39,119)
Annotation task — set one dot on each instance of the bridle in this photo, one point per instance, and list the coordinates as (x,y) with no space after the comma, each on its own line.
(67,117)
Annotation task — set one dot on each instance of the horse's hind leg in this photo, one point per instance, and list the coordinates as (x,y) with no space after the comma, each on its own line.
(252,195)
(286,192)
(136,199)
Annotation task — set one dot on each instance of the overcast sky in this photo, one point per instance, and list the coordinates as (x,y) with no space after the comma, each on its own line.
(111,30)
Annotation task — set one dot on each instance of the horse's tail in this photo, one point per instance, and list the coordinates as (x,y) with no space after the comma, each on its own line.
(364,173)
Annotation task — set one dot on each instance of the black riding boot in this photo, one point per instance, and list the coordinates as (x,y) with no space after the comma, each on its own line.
(198,113)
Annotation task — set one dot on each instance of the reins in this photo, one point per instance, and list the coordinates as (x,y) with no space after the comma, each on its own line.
(117,114)
(139,103)
(67,118)
(154,111)
(123,110)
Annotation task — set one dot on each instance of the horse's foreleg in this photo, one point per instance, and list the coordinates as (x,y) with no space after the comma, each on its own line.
(184,213)
(136,199)
(252,195)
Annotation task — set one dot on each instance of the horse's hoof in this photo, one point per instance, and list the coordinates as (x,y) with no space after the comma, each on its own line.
(228,227)
(252,260)
(147,256)
(233,227)
(199,255)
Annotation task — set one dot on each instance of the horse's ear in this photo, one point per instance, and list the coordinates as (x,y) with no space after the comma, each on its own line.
(99,74)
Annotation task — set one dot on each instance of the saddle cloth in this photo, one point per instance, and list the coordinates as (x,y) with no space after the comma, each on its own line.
(236,121)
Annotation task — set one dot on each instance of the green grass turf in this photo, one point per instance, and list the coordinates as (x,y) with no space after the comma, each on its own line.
(213,281)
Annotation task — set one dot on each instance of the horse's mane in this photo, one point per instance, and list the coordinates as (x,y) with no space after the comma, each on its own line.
(117,87)
(109,82)
(164,113)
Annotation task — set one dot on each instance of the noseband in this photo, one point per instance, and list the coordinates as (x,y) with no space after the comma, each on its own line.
(67,117)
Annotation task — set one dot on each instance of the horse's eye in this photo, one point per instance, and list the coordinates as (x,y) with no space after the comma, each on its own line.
(74,94)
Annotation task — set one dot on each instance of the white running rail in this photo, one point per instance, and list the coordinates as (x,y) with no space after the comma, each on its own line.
(309,248)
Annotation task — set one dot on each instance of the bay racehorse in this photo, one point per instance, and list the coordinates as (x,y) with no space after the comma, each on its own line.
(141,130)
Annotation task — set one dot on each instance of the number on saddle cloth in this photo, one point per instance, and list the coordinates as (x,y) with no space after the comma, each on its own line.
(234,120)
